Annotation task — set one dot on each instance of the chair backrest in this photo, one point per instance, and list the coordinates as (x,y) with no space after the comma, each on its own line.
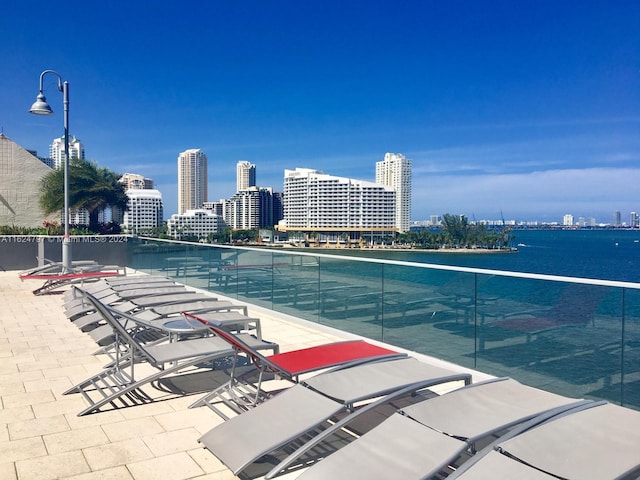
(259,360)
(122,335)
(294,363)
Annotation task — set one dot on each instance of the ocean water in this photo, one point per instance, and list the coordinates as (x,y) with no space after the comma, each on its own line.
(596,254)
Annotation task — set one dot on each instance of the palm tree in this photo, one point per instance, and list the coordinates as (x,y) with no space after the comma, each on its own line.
(90,187)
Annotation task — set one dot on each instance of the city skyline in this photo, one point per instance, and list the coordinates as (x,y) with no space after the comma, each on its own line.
(527,110)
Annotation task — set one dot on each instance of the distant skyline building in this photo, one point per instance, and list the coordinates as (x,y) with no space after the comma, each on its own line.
(134,181)
(567,220)
(245,175)
(617,218)
(144,210)
(192,180)
(634,220)
(395,171)
(330,206)
(56,150)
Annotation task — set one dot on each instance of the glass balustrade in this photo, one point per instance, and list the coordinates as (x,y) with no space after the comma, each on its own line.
(574,337)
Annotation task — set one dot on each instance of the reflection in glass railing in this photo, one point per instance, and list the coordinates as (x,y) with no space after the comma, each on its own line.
(571,336)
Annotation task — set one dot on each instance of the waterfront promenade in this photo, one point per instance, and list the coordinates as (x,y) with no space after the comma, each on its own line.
(41,437)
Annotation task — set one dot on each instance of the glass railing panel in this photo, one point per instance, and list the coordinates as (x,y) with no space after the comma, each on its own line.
(222,272)
(253,276)
(630,377)
(563,337)
(296,284)
(349,296)
(430,312)
(193,268)
(162,258)
(141,254)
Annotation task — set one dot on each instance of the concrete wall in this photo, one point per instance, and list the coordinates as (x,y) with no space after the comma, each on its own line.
(20,176)
(21,252)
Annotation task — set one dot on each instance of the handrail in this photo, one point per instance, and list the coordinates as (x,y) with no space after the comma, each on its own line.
(433,266)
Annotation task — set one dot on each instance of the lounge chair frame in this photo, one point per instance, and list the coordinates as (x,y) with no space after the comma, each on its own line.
(242,392)
(118,382)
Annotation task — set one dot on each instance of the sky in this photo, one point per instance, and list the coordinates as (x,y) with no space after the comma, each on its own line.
(526,110)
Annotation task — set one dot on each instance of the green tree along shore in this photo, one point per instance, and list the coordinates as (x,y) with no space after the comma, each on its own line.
(456,232)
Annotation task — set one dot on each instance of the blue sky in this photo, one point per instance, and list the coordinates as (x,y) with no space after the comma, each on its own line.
(529,108)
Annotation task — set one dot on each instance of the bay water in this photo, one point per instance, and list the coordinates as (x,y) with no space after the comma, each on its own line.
(611,254)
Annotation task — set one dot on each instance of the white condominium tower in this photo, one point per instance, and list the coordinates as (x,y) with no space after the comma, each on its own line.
(314,201)
(56,150)
(395,171)
(192,180)
(245,175)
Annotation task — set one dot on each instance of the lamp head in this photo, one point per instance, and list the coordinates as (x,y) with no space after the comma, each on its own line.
(40,106)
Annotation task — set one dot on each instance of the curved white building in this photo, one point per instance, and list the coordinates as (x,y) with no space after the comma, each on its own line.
(317,202)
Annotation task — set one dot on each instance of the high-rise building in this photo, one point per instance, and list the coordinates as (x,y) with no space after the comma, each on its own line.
(133,181)
(567,220)
(395,171)
(56,150)
(245,175)
(254,207)
(316,202)
(617,218)
(634,220)
(144,210)
(192,180)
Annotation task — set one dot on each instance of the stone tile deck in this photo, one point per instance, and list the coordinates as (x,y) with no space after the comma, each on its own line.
(41,437)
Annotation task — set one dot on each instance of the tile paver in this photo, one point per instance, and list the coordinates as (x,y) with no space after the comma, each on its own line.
(38,427)
(178,466)
(115,473)
(50,467)
(117,453)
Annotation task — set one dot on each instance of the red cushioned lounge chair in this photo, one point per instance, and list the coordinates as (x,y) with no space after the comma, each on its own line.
(244,390)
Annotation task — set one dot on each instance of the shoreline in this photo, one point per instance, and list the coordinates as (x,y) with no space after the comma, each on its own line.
(481,251)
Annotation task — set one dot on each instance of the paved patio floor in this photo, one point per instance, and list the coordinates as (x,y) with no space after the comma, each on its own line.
(41,437)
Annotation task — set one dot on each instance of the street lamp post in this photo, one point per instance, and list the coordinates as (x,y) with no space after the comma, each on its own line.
(41,107)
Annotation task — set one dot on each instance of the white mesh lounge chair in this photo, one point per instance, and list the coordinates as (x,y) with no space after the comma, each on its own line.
(426,438)
(596,441)
(302,411)
(152,324)
(105,290)
(118,384)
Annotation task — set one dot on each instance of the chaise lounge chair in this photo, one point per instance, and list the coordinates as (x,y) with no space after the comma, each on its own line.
(597,441)
(303,410)
(426,438)
(575,307)
(56,276)
(117,383)
(244,390)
